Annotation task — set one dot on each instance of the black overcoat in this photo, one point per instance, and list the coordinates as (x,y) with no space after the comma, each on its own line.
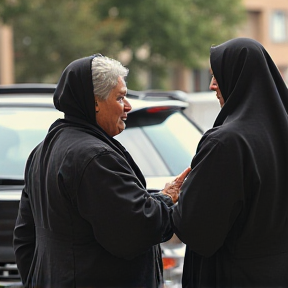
(85,217)
(233,208)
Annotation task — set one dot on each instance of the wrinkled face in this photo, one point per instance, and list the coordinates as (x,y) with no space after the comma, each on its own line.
(214,86)
(112,112)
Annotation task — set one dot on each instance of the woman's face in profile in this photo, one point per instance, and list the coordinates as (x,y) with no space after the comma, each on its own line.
(214,87)
(112,112)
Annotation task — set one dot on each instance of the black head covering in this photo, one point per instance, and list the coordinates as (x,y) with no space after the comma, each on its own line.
(235,198)
(75,97)
(74,93)
(250,83)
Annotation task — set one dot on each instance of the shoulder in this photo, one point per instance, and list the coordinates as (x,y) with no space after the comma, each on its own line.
(224,135)
(73,149)
(82,143)
(221,141)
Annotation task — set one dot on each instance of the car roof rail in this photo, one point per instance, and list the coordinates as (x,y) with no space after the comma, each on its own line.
(39,88)
(158,95)
(44,88)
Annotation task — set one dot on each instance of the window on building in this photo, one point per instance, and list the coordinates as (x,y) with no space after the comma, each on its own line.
(279,26)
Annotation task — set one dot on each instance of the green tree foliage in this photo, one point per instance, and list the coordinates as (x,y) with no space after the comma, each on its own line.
(153,33)
(176,32)
(10,9)
(54,33)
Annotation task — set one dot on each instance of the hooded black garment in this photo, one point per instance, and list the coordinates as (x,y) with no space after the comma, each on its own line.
(85,217)
(232,211)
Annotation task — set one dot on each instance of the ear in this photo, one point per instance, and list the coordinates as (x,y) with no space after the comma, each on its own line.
(96,105)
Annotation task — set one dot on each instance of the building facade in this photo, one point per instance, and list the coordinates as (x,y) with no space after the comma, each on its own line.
(6,55)
(267,22)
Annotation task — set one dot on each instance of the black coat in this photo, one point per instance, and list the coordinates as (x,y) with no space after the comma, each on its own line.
(233,210)
(85,217)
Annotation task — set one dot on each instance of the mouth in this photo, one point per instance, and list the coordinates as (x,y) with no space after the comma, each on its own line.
(122,124)
(124,118)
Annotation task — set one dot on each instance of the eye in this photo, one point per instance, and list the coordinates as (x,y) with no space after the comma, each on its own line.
(120,99)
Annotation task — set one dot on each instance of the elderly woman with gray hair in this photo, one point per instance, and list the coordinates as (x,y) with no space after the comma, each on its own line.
(85,217)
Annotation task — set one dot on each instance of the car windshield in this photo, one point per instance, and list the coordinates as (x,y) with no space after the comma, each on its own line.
(21,129)
(163,149)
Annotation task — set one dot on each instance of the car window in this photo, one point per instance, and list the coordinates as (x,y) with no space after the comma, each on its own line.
(21,129)
(163,149)
(143,151)
(166,148)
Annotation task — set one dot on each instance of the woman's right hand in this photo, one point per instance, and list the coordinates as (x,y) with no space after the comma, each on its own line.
(172,189)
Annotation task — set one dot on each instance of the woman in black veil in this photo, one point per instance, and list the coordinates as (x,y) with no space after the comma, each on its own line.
(233,209)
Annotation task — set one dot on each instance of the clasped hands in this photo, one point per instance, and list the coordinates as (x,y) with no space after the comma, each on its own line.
(172,189)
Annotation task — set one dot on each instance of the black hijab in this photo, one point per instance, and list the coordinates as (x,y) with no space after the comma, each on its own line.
(74,93)
(250,83)
(232,210)
(75,97)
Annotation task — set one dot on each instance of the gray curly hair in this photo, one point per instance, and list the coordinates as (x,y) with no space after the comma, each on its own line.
(105,74)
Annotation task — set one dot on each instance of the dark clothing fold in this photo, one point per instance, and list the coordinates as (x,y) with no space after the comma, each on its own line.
(233,209)
(85,217)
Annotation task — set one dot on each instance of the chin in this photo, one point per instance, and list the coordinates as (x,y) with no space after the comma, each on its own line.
(121,128)
(119,131)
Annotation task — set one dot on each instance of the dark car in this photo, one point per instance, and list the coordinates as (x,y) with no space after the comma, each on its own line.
(161,139)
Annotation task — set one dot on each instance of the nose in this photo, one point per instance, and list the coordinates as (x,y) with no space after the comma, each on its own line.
(127,105)
(213,84)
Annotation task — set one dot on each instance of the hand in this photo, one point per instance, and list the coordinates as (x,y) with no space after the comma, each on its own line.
(172,189)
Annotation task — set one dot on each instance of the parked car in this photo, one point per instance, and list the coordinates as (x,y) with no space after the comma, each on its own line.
(159,136)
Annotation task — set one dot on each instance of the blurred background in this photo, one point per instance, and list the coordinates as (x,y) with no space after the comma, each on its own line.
(164,43)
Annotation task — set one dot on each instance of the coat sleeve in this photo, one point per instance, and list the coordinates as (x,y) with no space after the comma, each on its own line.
(24,237)
(210,198)
(126,220)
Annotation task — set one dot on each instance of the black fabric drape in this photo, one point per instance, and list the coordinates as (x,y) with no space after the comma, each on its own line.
(233,209)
